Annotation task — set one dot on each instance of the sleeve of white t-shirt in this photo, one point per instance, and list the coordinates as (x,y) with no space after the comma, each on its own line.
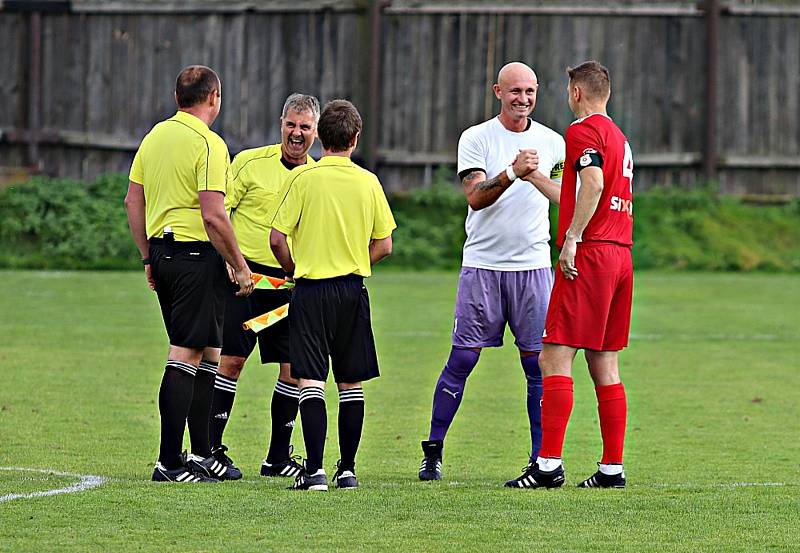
(471,151)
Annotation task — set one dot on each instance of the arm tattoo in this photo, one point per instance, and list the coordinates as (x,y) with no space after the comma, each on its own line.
(489,184)
(472,175)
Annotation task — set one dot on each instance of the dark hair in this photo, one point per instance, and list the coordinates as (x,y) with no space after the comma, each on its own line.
(338,125)
(194,84)
(593,78)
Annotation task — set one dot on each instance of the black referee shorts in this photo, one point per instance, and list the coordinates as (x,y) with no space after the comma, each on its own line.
(330,318)
(273,342)
(190,282)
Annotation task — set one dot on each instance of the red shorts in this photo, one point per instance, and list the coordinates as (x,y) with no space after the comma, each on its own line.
(593,311)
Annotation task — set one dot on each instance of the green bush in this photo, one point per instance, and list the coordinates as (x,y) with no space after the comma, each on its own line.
(698,229)
(430,225)
(65,224)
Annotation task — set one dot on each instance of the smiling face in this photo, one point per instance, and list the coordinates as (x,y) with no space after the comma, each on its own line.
(298,130)
(516,89)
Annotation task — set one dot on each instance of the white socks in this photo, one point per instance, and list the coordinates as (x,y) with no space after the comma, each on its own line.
(611,470)
(548,464)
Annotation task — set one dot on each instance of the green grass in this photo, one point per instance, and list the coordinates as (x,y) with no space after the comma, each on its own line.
(711,455)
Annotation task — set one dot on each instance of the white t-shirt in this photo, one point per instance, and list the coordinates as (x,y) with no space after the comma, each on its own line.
(513,233)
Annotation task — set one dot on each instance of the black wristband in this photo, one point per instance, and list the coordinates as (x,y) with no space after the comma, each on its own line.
(146,261)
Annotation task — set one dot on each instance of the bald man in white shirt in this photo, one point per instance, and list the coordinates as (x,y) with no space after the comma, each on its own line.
(511,168)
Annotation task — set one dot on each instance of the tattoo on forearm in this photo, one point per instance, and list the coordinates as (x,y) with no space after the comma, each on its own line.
(489,184)
(471,176)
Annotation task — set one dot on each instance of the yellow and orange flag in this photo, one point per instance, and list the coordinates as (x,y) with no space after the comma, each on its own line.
(265,282)
(257,324)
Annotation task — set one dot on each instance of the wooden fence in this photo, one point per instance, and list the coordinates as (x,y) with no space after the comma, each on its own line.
(82,83)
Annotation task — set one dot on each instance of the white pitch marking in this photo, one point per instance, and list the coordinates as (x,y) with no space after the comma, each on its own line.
(713,337)
(87,482)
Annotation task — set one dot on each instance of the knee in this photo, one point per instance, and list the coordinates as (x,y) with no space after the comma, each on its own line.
(530,362)
(546,364)
(461,362)
(231,366)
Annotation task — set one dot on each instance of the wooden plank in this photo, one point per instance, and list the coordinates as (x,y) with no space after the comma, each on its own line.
(70,87)
(445,98)
(743,161)
(279,70)
(229,56)
(328,68)
(389,111)
(212,6)
(423,123)
(591,10)
(793,91)
(11,38)
(51,66)
(96,89)
(763,10)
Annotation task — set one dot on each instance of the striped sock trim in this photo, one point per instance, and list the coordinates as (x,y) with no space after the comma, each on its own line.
(225,384)
(312,392)
(208,366)
(356,394)
(181,366)
(288,390)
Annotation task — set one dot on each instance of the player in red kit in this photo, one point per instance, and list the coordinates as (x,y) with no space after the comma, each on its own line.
(590,306)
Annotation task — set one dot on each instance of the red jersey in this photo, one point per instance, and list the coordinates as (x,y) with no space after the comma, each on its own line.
(596,140)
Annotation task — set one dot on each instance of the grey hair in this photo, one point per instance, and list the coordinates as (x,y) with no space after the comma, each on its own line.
(300,103)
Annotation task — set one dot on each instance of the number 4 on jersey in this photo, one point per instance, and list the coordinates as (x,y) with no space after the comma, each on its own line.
(627,165)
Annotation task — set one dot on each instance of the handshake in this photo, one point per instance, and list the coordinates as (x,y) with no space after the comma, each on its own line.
(525,165)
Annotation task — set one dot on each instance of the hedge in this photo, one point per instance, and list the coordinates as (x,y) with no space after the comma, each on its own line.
(51,223)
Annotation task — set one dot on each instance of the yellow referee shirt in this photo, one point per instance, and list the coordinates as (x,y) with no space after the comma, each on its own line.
(177,159)
(332,210)
(257,178)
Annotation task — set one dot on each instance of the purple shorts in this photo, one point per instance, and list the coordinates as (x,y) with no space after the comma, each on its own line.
(486,300)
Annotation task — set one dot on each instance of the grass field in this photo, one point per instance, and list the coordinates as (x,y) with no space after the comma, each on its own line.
(712,454)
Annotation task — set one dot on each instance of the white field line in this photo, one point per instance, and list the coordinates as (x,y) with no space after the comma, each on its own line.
(713,337)
(87,482)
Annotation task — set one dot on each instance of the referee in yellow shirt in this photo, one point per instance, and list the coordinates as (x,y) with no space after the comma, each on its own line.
(340,223)
(257,178)
(177,217)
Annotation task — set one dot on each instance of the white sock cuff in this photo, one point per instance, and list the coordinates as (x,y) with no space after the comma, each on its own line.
(548,464)
(611,469)
(225,384)
(354,394)
(288,390)
(181,366)
(208,366)
(312,392)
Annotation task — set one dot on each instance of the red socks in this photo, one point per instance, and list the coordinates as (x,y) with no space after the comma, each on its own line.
(557,399)
(612,408)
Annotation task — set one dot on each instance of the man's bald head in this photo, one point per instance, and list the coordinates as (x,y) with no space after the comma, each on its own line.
(514,71)
(516,89)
